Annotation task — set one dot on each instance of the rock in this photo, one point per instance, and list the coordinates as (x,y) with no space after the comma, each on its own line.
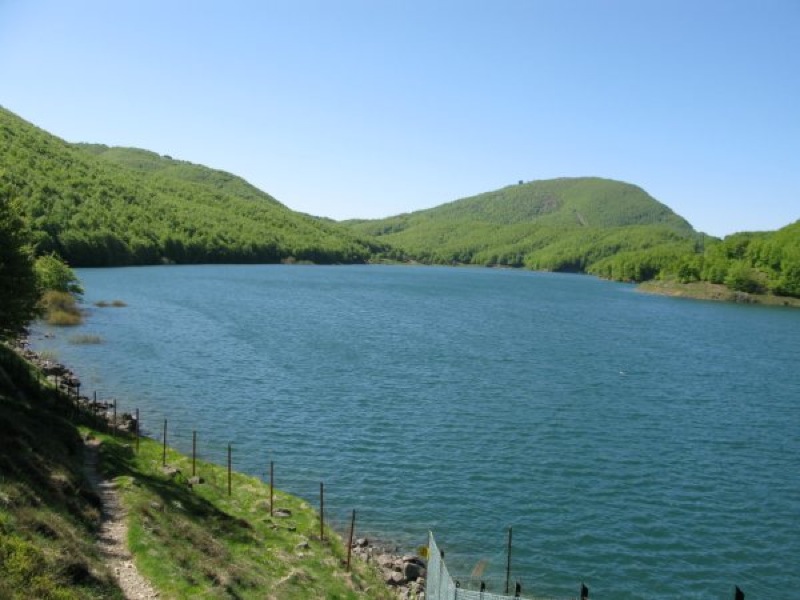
(282,512)
(196,480)
(412,558)
(386,561)
(412,571)
(171,471)
(362,542)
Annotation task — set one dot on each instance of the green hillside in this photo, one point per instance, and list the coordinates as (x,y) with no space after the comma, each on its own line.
(560,225)
(565,202)
(607,228)
(98,206)
(146,161)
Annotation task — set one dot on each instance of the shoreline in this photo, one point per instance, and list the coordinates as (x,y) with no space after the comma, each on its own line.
(713,292)
(403,573)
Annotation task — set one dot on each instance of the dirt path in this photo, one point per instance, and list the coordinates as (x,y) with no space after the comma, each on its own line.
(112,540)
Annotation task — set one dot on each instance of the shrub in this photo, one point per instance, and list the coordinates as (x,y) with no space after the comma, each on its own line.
(61,309)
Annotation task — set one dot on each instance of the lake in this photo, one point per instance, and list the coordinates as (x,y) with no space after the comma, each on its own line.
(645,445)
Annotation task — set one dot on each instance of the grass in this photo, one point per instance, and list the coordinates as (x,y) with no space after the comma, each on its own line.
(702,290)
(198,541)
(61,309)
(48,513)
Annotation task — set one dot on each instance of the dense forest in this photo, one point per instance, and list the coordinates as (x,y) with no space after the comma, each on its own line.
(557,225)
(97,206)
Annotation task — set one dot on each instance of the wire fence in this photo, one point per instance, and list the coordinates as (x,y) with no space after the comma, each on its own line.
(440,585)
(56,385)
(62,391)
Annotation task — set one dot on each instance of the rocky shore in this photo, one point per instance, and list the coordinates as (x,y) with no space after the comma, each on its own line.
(406,573)
(69,384)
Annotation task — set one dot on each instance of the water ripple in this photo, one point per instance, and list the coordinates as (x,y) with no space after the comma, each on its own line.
(647,446)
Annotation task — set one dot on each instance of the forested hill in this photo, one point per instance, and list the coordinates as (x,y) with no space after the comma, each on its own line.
(564,202)
(101,206)
(146,161)
(560,224)
(589,225)
(98,206)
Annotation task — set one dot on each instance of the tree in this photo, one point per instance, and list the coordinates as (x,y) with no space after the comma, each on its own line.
(52,273)
(18,290)
(743,278)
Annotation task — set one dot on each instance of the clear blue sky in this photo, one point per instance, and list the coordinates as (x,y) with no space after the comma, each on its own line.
(369,108)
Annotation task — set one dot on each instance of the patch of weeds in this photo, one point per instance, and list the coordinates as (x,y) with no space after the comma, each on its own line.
(113,303)
(61,309)
(85,338)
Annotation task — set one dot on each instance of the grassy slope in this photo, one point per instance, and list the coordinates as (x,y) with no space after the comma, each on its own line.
(189,541)
(198,541)
(48,513)
(146,161)
(551,224)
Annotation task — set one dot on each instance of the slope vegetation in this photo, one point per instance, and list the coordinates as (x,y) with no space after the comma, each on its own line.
(204,540)
(607,228)
(561,224)
(48,513)
(99,206)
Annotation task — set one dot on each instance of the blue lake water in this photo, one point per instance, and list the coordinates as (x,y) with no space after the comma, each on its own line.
(647,446)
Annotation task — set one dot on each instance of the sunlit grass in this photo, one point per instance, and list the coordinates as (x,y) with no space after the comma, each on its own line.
(61,309)
(62,318)
(197,541)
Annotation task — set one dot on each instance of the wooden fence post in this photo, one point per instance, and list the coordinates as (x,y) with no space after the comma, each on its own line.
(229,469)
(350,543)
(508,561)
(321,511)
(164,455)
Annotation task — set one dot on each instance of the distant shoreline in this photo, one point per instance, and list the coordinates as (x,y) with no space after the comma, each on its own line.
(714,292)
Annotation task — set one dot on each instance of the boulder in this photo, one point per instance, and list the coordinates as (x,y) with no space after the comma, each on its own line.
(412,571)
